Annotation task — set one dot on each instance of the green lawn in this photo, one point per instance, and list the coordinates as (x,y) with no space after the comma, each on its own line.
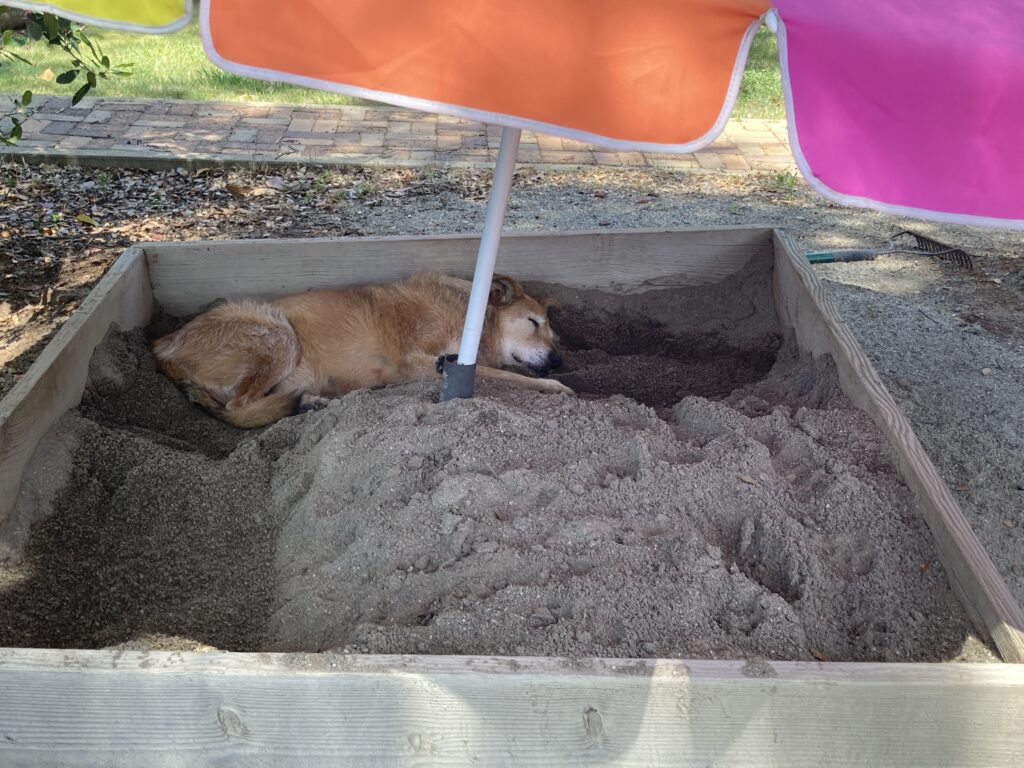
(761,89)
(175,67)
(165,67)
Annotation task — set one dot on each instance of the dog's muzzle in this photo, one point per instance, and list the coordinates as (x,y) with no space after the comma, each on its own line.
(551,363)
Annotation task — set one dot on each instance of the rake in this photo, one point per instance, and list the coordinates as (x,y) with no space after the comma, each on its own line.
(902,242)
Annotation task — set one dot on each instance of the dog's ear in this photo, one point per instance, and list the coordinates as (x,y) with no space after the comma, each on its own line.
(551,305)
(504,290)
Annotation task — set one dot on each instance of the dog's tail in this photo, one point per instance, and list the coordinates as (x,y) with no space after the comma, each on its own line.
(257,413)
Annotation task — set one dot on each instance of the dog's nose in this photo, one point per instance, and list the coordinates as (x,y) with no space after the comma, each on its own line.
(554,360)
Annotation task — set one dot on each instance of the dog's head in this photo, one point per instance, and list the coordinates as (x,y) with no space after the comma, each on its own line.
(525,334)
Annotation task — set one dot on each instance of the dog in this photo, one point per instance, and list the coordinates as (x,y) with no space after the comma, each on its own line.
(252,363)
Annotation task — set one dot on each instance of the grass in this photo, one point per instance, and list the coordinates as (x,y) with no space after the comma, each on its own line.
(761,90)
(165,67)
(175,67)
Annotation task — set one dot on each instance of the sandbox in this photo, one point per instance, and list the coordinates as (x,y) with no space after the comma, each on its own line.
(756,498)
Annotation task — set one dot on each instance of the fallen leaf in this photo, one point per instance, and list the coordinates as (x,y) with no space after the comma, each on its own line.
(925,567)
(818,654)
(85,218)
(238,189)
(748,479)
(46,74)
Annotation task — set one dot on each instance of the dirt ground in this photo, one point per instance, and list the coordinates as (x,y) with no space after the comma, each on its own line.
(947,343)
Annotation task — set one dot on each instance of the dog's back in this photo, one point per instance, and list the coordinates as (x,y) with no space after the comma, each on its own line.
(359,337)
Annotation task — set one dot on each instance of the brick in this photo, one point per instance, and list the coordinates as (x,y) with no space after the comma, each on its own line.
(709,160)
(546,142)
(282,121)
(269,136)
(424,128)
(147,122)
(674,162)
(142,132)
(607,158)
(74,142)
(58,129)
(186,108)
(750,149)
(98,116)
(32,125)
(734,162)
(95,131)
(310,142)
(769,163)
(300,124)
(54,117)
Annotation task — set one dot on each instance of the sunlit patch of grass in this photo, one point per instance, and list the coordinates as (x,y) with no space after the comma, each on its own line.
(761,90)
(165,67)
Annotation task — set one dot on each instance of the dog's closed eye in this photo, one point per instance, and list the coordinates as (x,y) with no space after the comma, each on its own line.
(534,321)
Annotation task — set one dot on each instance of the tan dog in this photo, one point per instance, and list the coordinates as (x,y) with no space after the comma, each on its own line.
(252,363)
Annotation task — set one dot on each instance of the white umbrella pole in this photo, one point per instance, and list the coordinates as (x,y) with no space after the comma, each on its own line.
(457,376)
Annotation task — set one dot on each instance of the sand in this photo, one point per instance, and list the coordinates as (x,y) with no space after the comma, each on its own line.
(709,494)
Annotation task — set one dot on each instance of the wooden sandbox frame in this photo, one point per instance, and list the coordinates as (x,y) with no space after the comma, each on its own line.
(78,708)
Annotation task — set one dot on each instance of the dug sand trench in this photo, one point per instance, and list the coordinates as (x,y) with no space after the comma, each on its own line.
(709,494)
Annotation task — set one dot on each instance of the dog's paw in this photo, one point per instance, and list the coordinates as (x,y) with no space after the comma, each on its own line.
(553,387)
(312,403)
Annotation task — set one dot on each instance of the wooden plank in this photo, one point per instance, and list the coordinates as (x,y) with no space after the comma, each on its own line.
(188,276)
(56,380)
(106,708)
(805,307)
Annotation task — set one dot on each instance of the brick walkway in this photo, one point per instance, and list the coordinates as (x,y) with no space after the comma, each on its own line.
(151,132)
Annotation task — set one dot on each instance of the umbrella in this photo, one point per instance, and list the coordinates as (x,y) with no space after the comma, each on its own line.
(908,107)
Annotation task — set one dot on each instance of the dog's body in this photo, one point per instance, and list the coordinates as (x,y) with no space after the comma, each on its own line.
(252,363)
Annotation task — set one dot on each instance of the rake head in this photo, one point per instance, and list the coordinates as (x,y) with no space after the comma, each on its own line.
(926,246)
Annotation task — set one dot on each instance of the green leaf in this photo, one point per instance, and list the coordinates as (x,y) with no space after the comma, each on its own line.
(34,29)
(20,58)
(66,77)
(105,61)
(8,36)
(52,24)
(91,77)
(16,132)
(26,98)
(80,94)
(85,218)
(88,42)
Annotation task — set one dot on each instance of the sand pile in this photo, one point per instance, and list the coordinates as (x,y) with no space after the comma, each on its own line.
(768,522)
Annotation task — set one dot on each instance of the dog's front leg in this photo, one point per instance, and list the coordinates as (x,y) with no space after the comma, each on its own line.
(428,366)
(549,386)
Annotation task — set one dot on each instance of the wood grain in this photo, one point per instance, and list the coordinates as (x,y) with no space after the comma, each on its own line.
(188,276)
(163,709)
(56,380)
(805,307)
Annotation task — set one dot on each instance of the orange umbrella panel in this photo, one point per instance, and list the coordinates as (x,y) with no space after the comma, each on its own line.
(656,75)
